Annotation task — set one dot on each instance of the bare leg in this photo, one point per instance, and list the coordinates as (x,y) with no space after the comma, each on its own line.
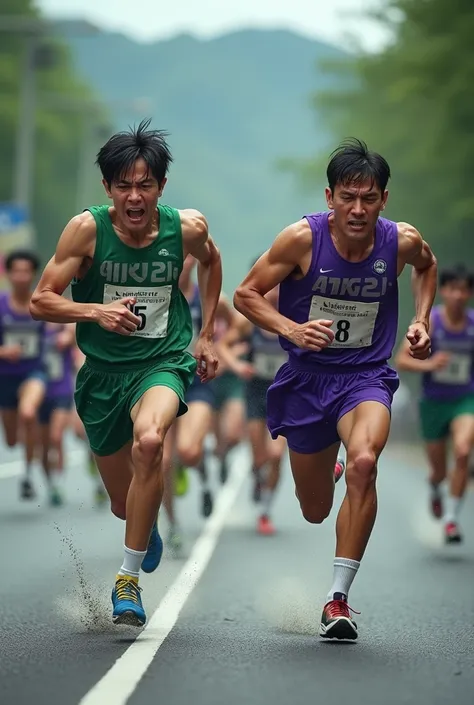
(436,452)
(230,432)
(364,431)
(192,430)
(462,430)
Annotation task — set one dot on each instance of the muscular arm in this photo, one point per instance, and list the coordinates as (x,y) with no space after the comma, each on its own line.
(286,255)
(198,243)
(239,330)
(412,249)
(76,243)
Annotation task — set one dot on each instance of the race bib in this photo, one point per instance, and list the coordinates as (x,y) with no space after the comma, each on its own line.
(354,321)
(27,340)
(152,307)
(457,371)
(54,365)
(267,365)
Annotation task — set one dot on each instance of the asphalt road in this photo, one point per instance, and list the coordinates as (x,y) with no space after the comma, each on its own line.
(248,631)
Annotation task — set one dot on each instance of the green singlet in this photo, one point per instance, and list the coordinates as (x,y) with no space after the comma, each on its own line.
(119,369)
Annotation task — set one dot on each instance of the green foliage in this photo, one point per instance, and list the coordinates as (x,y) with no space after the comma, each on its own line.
(58,123)
(413,102)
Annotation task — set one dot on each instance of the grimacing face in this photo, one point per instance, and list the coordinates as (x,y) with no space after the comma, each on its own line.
(135,196)
(356,208)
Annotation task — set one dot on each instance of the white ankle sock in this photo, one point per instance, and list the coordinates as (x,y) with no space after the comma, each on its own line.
(345,570)
(132,561)
(453,505)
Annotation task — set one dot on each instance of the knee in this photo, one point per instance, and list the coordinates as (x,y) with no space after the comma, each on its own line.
(56,441)
(118,508)
(315,513)
(361,471)
(462,452)
(190,454)
(147,446)
(234,435)
(27,415)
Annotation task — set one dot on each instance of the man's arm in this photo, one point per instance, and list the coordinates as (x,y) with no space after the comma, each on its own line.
(198,243)
(277,263)
(240,329)
(412,249)
(75,245)
(405,362)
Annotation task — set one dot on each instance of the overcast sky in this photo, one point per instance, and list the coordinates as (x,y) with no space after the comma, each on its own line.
(153,19)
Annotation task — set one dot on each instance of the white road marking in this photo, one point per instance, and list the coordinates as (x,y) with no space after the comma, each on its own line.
(13,468)
(119,683)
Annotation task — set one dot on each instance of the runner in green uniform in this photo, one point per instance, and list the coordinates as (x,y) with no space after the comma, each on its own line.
(134,326)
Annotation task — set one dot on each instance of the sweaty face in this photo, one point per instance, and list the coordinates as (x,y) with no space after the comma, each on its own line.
(135,195)
(21,276)
(455,296)
(356,208)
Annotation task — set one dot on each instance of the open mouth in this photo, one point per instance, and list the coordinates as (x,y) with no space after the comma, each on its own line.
(357,224)
(135,214)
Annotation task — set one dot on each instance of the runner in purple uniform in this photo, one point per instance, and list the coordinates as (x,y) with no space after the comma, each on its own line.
(22,374)
(447,401)
(55,411)
(337,319)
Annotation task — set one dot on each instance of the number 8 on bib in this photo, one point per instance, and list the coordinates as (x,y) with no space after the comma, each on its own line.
(354,321)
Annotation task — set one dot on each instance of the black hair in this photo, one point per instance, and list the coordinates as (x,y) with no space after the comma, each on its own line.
(26,255)
(458,273)
(353,163)
(122,150)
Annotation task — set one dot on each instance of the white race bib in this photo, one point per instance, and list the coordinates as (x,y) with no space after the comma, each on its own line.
(54,365)
(267,365)
(354,321)
(457,371)
(152,306)
(28,341)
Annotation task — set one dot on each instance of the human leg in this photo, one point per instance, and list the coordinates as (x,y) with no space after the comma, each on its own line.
(462,431)
(230,423)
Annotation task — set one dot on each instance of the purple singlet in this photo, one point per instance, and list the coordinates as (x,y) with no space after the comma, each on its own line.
(59,366)
(315,389)
(457,378)
(20,329)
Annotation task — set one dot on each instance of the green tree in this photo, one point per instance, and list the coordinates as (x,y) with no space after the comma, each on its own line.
(413,102)
(59,123)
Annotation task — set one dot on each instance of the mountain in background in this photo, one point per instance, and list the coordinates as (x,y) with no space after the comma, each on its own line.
(234,106)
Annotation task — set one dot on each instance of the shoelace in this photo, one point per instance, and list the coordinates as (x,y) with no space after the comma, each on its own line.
(127,590)
(339,608)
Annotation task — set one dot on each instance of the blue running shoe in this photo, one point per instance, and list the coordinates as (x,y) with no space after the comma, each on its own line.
(154,551)
(128,608)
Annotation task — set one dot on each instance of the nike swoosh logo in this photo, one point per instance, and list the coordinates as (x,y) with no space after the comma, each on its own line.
(323,271)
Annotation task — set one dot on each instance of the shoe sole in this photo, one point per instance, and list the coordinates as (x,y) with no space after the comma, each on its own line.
(130,619)
(453,539)
(207,506)
(151,569)
(343,630)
